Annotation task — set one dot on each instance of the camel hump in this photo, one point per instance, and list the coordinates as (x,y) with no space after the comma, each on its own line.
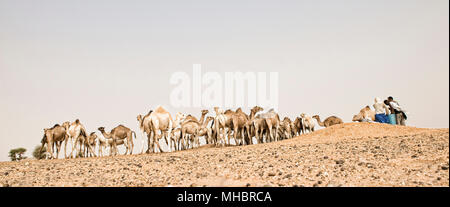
(56,125)
(160,109)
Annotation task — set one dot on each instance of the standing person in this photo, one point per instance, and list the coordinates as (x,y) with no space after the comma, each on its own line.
(399,113)
(391,116)
(381,111)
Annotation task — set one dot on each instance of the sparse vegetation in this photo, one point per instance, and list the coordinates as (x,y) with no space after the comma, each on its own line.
(17,154)
(39,153)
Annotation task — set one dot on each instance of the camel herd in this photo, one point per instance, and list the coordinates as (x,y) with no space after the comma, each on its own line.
(183,132)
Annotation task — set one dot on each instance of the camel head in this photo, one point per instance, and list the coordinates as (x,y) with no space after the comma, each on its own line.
(204,112)
(257,109)
(216,109)
(316,117)
(208,119)
(357,117)
(180,116)
(302,115)
(101,129)
(139,118)
(66,125)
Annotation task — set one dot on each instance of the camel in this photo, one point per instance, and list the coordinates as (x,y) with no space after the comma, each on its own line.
(286,130)
(307,123)
(144,125)
(251,132)
(330,121)
(120,133)
(364,115)
(74,130)
(103,143)
(297,126)
(219,126)
(260,126)
(272,122)
(175,137)
(189,129)
(161,121)
(205,130)
(55,135)
(239,120)
(228,124)
(89,145)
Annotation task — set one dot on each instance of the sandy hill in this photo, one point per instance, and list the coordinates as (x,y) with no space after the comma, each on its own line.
(352,154)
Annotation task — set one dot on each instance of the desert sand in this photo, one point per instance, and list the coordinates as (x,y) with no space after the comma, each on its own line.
(352,154)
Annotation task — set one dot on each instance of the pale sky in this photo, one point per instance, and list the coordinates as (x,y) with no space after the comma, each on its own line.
(105,62)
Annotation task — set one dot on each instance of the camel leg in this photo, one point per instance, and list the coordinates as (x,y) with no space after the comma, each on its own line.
(149,142)
(58,147)
(131,142)
(92,150)
(49,147)
(143,142)
(276,133)
(74,143)
(65,148)
(236,130)
(159,146)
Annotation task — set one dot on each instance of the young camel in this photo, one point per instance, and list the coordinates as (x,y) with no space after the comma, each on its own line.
(330,121)
(119,133)
(89,145)
(205,130)
(190,127)
(144,125)
(103,143)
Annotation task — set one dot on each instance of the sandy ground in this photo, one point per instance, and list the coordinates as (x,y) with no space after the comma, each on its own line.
(352,154)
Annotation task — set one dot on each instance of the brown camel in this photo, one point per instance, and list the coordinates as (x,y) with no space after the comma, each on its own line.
(330,121)
(89,145)
(55,135)
(239,120)
(272,123)
(297,126)
(120,133)
(249,125)
(260,126)
(285,128)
